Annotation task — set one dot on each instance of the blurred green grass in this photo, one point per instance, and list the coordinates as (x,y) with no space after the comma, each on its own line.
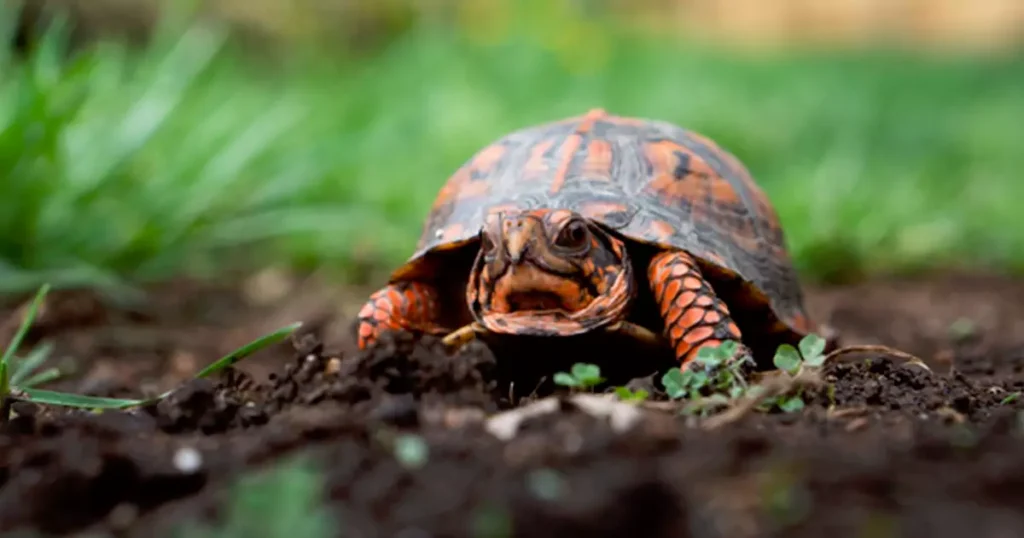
(189,158)
(281,501)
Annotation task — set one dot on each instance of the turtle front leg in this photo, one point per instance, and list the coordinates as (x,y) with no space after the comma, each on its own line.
(694,316)
(406,306)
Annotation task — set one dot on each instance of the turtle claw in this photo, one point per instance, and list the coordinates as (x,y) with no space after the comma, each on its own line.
(463,335)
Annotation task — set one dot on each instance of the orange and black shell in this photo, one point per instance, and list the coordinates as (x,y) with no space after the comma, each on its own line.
(651,181)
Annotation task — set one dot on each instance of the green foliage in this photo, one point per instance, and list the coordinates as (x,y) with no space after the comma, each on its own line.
(25,371)
(677,382)
(715,379)
(790,404)
(627,395)
(492,520)
(787,359)
(962,329)
(18,383)
(284,502)
(812,349)
(811,353)
(18,377)
(583,376)
(791,360)
(256,345)
(120,166)
(19,335)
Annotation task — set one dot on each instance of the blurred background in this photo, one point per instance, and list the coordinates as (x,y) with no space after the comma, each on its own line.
(145,140)
(284,154)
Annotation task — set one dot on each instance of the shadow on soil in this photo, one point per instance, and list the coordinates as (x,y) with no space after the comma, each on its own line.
(892,450)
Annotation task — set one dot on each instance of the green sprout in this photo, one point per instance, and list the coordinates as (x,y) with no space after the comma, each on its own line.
(789,403)
(17,380)
(791,360)
(583,376)
(1010,398)
(627,395)
(14,372)
(714,379)
(284,500)
(961,329)
(811,353)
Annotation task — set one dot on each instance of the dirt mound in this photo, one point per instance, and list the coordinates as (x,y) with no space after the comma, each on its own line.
(882,448)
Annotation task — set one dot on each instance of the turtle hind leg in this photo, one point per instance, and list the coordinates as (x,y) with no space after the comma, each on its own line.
(694,316)
(400,306)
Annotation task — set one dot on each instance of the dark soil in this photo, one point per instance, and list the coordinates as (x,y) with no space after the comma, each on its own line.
(891,449)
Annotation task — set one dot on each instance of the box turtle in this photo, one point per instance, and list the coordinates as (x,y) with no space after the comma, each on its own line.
(581,225)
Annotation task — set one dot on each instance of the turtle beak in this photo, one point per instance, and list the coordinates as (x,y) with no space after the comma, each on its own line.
(518,236)
(516,244)
(520,233)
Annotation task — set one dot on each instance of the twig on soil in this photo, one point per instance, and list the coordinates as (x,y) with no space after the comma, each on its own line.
(950,414)
(856,424)
(847,412)
(621,416)
(531,396)
(892,353)
(660,405)
(771,387)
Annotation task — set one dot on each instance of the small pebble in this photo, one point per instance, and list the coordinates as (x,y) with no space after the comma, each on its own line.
(123,515)
(546,484)
(188,460)
(411,451)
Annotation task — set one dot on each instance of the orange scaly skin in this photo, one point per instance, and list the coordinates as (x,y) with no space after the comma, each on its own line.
(694,316)
(408,306)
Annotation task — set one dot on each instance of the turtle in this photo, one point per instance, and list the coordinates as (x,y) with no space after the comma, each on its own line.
(560,229)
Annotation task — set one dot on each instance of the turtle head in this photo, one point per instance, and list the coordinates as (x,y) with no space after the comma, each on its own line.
(548,272)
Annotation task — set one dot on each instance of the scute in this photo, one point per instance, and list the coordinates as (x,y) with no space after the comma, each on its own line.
(650,180)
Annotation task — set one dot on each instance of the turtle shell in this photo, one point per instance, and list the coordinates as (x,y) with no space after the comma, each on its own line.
(647,180)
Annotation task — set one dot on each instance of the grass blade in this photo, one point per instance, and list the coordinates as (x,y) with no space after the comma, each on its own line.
(30,317)
(47,375)
(30,363)
(249,349)
(51,397)
(93,402)
(5,388)
(233,358)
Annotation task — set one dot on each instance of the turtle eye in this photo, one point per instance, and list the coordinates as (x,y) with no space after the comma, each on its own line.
(573,236)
